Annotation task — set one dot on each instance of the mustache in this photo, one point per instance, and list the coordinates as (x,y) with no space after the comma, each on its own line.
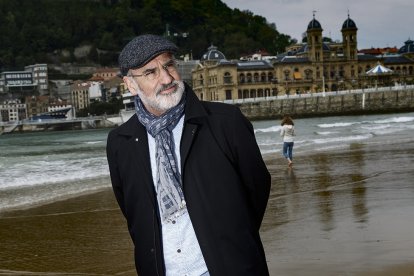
(167,86)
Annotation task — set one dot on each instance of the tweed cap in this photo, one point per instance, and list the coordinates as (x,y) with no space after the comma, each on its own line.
(142,50)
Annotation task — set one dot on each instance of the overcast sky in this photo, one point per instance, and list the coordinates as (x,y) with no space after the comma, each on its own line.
(380,23)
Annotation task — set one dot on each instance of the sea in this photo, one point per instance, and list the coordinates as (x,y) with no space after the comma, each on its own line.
(41,167)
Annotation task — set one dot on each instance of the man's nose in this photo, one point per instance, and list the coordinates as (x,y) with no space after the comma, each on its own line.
(165,76)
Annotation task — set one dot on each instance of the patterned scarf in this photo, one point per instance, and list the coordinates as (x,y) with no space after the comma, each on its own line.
(168,182)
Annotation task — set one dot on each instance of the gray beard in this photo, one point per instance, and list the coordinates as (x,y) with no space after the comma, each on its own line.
(160,102)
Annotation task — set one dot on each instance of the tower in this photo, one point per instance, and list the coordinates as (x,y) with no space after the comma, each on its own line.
(315,41)
(349,39)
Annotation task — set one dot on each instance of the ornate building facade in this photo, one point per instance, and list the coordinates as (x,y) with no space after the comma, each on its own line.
(314,66)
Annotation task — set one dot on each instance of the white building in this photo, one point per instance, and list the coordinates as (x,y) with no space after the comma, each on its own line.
(33,78)
(95,92)
(40,76)
(12,110)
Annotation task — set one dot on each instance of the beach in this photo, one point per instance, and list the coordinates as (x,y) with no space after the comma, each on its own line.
(332,214)
(347,210)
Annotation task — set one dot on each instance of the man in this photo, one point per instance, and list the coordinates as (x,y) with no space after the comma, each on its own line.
(187,175)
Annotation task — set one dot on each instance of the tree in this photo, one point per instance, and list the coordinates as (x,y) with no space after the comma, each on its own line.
(32,29)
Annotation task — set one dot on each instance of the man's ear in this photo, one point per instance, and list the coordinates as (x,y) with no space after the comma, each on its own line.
(132,85)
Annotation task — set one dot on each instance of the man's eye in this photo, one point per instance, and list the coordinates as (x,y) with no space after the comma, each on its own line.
(149,72)
(170,64)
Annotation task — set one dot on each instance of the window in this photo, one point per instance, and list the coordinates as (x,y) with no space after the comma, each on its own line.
(308,74)
(242,78)
(270,77)
(286,72)
(227,78)
(253,93)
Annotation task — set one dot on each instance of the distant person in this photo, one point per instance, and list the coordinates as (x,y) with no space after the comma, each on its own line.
(287,133)
(188,175)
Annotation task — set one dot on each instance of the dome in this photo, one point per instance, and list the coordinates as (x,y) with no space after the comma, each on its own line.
(213,54)
(407,48)
(349,24)
(314,24)
(305,48)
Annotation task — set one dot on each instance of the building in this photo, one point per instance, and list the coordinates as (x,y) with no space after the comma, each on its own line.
(106,73)
(33,80)
(313,66)
(408,49)
(40,77)
(61,106)
(96,93)
(80,95)
(217,79)
(185,66)
(36,105)
(12,111)
(17,82)
(61,89)
(113,88)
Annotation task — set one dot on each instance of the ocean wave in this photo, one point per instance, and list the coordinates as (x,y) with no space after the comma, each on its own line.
(49,192)
(93,142)
(395,120)
(45,172)
(376,127)
(325,132)
(343,139)
(268,129)
(337,125)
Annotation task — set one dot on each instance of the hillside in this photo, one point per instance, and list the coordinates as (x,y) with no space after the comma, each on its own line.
(49,31)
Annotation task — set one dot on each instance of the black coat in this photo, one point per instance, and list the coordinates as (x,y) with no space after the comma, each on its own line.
(225,183)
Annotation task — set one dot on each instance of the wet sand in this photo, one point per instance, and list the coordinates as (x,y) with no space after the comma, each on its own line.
(349,212)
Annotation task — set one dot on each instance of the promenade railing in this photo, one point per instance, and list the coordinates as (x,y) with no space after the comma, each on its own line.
(321,94)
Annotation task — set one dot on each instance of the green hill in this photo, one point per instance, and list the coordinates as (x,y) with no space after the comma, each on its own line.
(48,31)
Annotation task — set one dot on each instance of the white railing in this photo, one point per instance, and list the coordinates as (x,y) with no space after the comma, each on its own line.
(320,94)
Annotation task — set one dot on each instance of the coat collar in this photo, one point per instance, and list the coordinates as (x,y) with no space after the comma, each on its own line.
(193,108)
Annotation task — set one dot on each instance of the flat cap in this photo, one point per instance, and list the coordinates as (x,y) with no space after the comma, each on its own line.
(142,50)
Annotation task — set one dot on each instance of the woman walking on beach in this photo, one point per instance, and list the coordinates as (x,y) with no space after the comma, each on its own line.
(287,133)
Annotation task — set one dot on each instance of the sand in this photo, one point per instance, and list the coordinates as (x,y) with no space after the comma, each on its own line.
(349,212)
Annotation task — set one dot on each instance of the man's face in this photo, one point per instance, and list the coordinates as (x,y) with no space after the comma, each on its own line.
(158,84)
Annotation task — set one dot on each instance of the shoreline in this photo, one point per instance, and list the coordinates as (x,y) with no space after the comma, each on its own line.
(253,110)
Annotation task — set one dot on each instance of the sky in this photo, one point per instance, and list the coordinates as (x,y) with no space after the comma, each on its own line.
(380,23)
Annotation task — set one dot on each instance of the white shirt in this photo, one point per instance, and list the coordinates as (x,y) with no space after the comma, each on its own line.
(287,132)
(182,253)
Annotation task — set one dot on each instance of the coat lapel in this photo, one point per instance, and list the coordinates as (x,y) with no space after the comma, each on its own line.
(186,141)
(194,111)
(140,156)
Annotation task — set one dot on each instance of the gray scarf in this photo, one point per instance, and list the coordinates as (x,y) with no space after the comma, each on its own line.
(168,182)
